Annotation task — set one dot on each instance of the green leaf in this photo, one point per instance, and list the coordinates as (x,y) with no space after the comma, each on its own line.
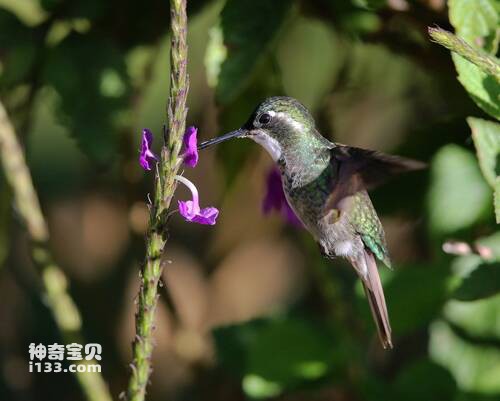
(231,343)
(425,380)
(458,195)
(413,306)
(273,355)
(482,282)
(476,22)
(496,199)
(486,62)
(248,27)
(301,354)
(486,136)
(89,74)
(258,387)
(19,49)
(473,396)
(478,319)
(475,368)
(483,88)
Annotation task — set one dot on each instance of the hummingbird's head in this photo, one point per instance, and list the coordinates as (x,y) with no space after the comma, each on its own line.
(278,124)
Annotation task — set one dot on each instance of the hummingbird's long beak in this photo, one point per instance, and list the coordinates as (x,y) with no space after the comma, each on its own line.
(214,141)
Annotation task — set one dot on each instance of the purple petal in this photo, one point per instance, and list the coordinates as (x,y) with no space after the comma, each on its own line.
(190,147)
(290,216)
(207,216)
(192,213)
(146,153)
(187,209)
(275,199)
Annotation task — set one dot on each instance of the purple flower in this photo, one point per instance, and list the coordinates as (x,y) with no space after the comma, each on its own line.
(275,199)
(146,153)
(191,210)
(190,141)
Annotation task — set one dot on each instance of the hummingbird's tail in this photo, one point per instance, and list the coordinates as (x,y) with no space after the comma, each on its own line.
(375,294)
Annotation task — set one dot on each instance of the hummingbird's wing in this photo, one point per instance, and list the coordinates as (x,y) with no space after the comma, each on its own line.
(372,167)
(363,218)
(357,170)
(354,171)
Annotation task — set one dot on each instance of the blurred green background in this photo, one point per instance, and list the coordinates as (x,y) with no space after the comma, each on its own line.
(260,314)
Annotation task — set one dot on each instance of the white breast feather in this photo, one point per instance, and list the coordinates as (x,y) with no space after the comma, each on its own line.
(270,144)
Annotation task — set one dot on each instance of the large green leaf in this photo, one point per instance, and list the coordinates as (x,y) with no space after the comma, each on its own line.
(19,49)
(459,195)
(486,136)
(479,319)
(486,62)
(273,355)
(476,22)
(89,75)
(496,199)
(424,380)
(475,368)
(413,306)
(231,343)
(483,282)
(248,29)
(301,354)
(482,88)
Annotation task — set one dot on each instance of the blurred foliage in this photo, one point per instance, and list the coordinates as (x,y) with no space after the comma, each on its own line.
(81,78)
(300,357)
(483,282)
(456,181)
(248,27)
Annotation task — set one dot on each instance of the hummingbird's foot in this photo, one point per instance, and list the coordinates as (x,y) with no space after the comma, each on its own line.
(323,251)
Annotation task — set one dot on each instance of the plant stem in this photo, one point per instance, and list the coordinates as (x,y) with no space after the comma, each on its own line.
(165,185)
(477,56)
(54,282)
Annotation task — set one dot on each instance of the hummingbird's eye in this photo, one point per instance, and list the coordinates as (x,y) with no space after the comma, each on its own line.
(264,119)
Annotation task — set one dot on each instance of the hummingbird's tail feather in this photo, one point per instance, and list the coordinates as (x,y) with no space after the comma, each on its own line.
(375,294)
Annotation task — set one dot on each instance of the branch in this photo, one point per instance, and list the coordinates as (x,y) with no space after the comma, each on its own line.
(156,237)
(54,282)
(477,56)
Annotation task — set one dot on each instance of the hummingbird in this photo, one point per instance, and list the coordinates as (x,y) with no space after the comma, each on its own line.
(326,185)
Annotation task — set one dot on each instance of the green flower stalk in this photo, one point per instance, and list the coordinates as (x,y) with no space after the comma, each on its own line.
(54,282)
(165,184)
(475,55)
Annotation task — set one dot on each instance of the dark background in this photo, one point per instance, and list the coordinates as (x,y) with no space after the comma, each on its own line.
(261,315)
